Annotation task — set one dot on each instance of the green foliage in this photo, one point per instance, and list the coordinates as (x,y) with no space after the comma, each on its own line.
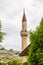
(2,63)
(14,63)
(36,51)
(1,33)
(1,36)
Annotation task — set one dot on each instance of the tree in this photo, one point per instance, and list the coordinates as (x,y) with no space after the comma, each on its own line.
(35,56)
(14,63)
(1,33)
(2,63)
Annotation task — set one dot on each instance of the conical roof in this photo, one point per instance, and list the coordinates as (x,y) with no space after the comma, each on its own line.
(24,17)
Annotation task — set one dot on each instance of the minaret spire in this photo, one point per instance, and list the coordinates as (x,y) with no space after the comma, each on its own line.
(24,17)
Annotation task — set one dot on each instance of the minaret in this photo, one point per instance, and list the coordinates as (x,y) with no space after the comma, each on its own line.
(24,32)
(24,35)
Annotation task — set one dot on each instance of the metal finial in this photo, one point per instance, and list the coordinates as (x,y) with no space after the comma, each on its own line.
(23,10)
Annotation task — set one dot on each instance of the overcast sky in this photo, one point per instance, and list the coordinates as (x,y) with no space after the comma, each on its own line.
(11,12)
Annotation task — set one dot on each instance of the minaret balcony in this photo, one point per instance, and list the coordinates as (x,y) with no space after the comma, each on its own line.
(24,33)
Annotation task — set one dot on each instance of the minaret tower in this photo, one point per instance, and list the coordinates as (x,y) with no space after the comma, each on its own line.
(24,32)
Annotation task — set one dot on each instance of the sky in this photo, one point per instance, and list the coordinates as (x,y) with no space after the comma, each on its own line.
(11,13)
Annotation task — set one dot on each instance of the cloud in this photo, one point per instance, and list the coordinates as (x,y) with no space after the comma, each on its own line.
(11,12)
